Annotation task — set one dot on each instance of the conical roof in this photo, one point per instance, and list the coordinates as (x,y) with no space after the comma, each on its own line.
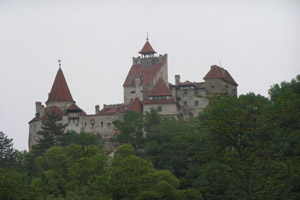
(60,90)
(147,49)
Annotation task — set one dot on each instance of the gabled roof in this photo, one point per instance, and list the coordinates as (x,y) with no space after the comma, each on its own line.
(112,110)
(75,108)
(186,83)
(160,89)
(217,72)
(49,109)
(146,74)
(199,85)
(60,90)
(147,49)
(136,105)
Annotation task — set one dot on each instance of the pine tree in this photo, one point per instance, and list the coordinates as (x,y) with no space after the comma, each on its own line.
(52,131)
(7,152)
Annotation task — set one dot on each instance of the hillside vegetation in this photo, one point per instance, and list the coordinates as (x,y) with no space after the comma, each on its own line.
(245,147)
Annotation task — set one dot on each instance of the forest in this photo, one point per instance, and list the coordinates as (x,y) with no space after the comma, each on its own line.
(245,147)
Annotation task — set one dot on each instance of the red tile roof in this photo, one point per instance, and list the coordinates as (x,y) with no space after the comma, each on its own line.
(199,85)
(147,49)
(49,109)
(112,110)
(136,105)
(75,108)
(186,83)
(56,110)
(217,72)
(160,89)
(146,74)
(60,90)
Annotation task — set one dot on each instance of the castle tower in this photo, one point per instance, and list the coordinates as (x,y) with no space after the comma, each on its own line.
(148,57)
(60,94)
(219,81)
(146,70)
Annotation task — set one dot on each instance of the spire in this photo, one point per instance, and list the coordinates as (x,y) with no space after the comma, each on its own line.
(59,63)
(60,90)
(147,49)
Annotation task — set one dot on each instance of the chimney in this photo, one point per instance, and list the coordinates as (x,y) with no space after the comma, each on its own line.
(177,80)
(39,109)
(97,108)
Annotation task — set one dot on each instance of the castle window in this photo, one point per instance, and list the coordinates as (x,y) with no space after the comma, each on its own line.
(108,125)
(196,103)
(85,124)
(76,124)
(185,103)
(212,87)
(185,92)
(196,92)
(159,109)
(101,124)
(132,92)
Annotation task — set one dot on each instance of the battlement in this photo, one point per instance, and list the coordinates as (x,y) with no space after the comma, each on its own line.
(160,58)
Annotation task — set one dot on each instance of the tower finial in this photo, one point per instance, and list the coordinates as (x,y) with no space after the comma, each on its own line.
(59,62)
(147,36)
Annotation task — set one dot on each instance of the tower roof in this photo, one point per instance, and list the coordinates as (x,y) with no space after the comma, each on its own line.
(60,90)
(217,72)
(147,49)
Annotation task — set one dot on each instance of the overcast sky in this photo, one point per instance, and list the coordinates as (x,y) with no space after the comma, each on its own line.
(257,41)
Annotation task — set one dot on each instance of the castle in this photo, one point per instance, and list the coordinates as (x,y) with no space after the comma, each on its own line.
(146,86)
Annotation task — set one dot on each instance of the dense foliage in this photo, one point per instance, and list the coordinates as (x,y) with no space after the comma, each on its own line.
(245,147)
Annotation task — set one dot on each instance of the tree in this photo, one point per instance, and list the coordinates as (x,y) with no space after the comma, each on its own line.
(52,131)
(74,172)
(7,152)
(131,129)
(84,139)
(132,177)
(245,138)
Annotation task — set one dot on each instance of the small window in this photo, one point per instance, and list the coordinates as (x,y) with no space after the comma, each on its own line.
(85,124)
(212,87)
(191,115)
(185,92)
(101,124)
(196,92)
(76,124)
(159,109)
(108,125)
(196,103)
(185,103)
(132,92)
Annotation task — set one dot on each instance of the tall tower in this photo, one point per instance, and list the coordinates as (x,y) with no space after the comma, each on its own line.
(145,71)
(148,57)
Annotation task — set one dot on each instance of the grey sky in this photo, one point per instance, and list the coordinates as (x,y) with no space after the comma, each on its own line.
(257,41)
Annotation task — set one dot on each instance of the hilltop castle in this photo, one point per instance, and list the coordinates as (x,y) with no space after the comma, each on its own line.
(146,86)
